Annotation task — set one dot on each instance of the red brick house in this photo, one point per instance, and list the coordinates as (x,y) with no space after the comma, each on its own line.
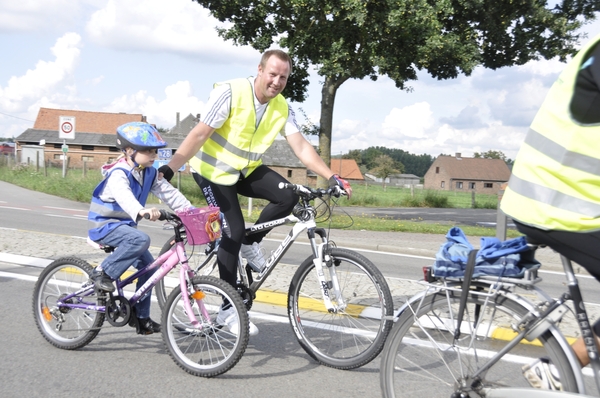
(94,142)
(457,173)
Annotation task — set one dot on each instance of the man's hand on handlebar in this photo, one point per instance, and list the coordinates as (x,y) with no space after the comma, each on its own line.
(335,181)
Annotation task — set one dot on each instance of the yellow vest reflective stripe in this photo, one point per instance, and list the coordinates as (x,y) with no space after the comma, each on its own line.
(238,146)
(555,181)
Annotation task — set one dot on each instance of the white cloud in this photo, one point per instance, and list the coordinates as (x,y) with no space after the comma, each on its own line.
(408,123)
(176,26)
(35,15)
(178,98)
(95,81)
(45,78)
(542,67)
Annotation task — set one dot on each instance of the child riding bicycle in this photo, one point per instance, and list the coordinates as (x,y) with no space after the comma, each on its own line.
(118,203)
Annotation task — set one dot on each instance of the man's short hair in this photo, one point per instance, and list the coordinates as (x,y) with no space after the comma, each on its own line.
(282,55)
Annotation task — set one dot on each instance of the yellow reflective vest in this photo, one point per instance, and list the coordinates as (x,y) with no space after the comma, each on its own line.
(555,181)
(237,147)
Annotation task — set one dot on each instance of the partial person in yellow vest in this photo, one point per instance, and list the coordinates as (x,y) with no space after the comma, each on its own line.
(239,122)
(554,191)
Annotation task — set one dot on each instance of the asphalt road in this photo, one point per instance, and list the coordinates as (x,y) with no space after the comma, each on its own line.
(487,217)
(118,362)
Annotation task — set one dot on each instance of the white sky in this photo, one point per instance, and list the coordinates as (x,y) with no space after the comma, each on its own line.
(160,57)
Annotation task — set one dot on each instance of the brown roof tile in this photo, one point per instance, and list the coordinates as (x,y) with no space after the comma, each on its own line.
(85,121)
(346,168)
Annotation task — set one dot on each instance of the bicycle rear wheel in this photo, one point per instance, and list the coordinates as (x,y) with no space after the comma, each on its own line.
(353,335)
(208,349)
(64,327)
(422,357)
(198,260)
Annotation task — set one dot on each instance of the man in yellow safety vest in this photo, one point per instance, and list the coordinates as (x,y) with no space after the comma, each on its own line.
(238,124)
(554,191)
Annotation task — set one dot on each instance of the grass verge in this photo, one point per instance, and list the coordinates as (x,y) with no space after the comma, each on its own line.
(79,185)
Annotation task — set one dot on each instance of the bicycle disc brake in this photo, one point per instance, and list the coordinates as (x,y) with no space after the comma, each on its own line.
(118,310)
(248,295)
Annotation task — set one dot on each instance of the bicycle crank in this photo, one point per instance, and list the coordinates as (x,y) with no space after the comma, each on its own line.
(118,310)
(248,295)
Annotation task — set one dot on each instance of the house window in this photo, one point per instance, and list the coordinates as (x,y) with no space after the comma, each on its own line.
(113,149)
(111,160)
(87,158)
(443,184)
(289,174)
(87,147)
(58,146)
(437,170)
(471,185)
(58,156)
(488,185)
(459,185)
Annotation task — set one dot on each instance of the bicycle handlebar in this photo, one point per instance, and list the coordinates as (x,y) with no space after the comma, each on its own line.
(164,215)
(311,193)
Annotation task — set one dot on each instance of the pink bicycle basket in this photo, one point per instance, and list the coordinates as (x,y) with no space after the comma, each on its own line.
(202,224)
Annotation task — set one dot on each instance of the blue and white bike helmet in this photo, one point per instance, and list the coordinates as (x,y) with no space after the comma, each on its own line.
(139,136)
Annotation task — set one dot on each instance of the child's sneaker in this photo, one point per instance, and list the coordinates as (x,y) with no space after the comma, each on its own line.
(228,318)
(102,282)
(542,374)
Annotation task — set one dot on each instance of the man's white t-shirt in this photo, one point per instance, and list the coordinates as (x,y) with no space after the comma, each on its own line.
(217,109)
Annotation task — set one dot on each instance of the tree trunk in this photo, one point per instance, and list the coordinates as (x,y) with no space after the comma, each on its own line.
(328,92)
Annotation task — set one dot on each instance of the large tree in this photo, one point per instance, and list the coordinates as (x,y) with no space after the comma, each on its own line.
(354,39)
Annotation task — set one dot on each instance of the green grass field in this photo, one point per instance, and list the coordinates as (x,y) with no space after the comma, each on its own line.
(78,186)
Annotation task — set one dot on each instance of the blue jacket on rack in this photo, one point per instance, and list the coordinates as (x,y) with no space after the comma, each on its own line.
(507,258)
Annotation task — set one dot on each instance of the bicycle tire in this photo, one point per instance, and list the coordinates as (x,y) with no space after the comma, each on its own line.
(356,334)
(420,355)
(212,350)
(65,328)
(197,260)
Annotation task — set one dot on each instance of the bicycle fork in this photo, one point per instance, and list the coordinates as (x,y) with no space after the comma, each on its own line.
(189,292)
(329,289)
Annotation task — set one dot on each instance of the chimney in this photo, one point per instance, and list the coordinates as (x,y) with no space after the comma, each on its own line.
(177,120)
(458,156)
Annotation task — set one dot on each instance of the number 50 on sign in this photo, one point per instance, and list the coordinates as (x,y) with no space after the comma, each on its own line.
(66,127)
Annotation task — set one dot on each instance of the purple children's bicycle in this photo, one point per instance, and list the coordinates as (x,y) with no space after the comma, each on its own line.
(69,312)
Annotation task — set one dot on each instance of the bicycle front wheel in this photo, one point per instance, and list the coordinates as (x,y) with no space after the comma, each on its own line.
(354,334)
(207,349)
(62,326)
(198,260)
(421,355)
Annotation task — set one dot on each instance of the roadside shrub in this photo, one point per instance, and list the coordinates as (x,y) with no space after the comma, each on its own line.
(434,199)
(486,205)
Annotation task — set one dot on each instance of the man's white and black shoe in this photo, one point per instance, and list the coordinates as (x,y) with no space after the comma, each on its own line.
(229,319)
(543,375)
(254,254)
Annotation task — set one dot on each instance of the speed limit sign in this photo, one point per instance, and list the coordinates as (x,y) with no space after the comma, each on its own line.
(66,127)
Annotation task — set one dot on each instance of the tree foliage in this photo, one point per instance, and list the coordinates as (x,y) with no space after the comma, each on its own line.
(354,39)
(406,162)
(492,154)
(385,167)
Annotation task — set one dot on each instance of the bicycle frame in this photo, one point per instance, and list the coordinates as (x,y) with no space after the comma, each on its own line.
(300,226)
(167,261)
(533,325)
